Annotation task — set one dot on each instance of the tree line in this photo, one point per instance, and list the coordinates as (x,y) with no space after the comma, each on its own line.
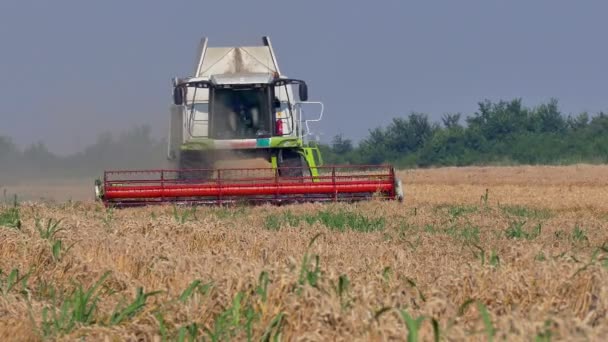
(135,148)
(503,132)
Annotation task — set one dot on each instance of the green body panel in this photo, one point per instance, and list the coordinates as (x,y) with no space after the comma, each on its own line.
(310,154)
(273,162)
(205,144)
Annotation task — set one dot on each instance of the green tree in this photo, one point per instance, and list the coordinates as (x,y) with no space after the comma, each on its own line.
(497,120)
(8,150)
(340,145)
(451,121)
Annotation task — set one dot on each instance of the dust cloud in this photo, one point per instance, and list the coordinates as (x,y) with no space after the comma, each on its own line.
(35,173)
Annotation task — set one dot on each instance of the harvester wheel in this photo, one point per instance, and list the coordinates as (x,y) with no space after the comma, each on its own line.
(196,167)
(292,164)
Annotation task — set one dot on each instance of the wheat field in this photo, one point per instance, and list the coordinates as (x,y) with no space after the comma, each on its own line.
(476,253)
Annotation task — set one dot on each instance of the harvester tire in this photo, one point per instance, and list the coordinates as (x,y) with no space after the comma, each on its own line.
(292,164)
(194,161)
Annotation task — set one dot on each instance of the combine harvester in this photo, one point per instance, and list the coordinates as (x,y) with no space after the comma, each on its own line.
(238,107)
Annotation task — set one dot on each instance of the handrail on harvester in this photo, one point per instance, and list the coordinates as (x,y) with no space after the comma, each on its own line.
(255,185)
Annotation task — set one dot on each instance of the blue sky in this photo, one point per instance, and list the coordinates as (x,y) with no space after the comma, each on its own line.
(70,70)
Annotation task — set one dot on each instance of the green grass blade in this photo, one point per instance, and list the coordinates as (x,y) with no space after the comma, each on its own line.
(413,326)
(487,321)
(436,330)
(275,324)
(189,290)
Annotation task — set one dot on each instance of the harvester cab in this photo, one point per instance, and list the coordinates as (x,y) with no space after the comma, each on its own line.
(238,106)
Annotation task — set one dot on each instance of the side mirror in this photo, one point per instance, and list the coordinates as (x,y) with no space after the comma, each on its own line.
(178,96)
(303,92)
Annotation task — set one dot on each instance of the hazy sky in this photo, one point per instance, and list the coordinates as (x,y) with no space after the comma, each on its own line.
(72,69)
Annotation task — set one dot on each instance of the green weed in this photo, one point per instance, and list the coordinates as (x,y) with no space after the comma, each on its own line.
(58,250)
(49,230)
(429,228)
(272,222)
(545,334)
(237,318)
(44,290)
(78,308)
(126,312)
(525,212)
(516,231)
(456,211)
(309,275)
(487,321)
(274,328)
(188,333)
(604,258)
(485,198)
(262,288)
(412,324)
(162,327)
(535,231)
(196,286)
(559,234)
(292,220)
(229,212)
(108,217)
(387,274)
(494,259)
(10,281)
(484,315)
(221,329)
(339,221)
(596,257)
(578,234)
(341,290)
(240,316)
(343,220)
(467,233)
(412,283)
(182,216)
(415,244)
(10,217)
(540,256)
